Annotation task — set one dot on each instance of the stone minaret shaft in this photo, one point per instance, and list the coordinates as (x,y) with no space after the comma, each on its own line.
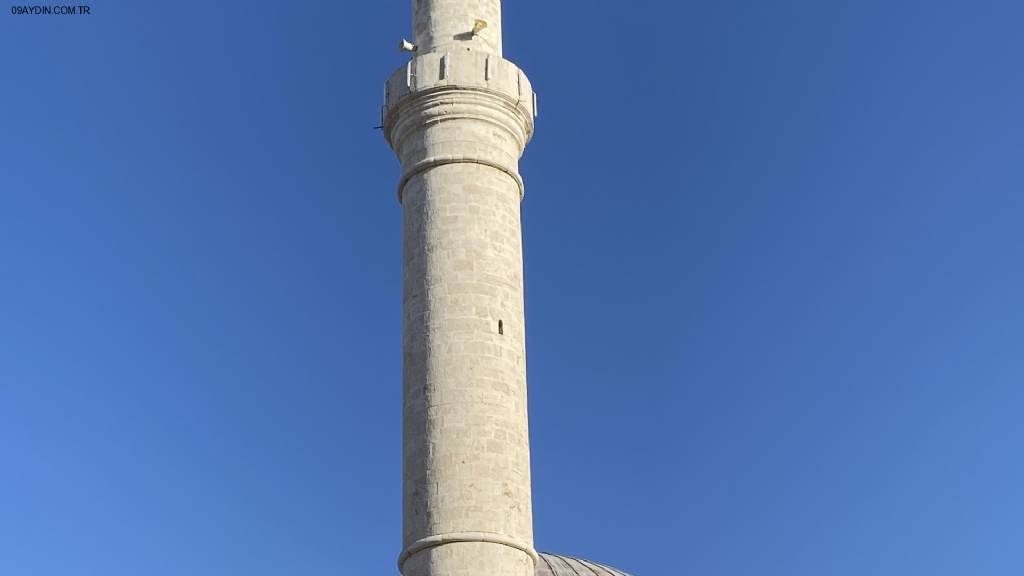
(459,116)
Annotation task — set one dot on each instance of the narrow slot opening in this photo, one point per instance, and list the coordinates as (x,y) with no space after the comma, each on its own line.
(501,328)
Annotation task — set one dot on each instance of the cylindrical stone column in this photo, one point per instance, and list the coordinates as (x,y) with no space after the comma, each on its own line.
(459,121)
(449,24)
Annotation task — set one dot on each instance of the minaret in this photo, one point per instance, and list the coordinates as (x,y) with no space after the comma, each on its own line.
(458,116)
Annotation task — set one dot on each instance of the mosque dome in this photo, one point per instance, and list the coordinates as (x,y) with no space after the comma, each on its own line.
(555,565)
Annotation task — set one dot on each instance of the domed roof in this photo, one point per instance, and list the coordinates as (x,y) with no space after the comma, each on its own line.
(555,565)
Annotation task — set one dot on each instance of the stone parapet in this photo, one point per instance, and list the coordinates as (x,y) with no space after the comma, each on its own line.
(492,96)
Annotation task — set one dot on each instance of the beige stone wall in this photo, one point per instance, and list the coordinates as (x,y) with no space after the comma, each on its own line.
(448,25)
(459,121)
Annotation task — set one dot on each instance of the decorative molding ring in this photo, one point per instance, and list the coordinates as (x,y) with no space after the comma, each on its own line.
(421,108)
(455,537)
(435,161)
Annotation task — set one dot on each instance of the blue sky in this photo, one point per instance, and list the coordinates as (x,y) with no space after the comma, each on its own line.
(773,279)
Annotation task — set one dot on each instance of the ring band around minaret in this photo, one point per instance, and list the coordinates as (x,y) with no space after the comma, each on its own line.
(459,117)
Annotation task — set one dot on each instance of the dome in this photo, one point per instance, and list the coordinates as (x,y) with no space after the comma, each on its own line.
(555,565)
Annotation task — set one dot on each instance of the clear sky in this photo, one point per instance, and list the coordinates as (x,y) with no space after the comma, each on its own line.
(774,278)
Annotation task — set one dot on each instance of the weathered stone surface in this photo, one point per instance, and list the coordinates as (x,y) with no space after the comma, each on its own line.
(459,116)
(448,24)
